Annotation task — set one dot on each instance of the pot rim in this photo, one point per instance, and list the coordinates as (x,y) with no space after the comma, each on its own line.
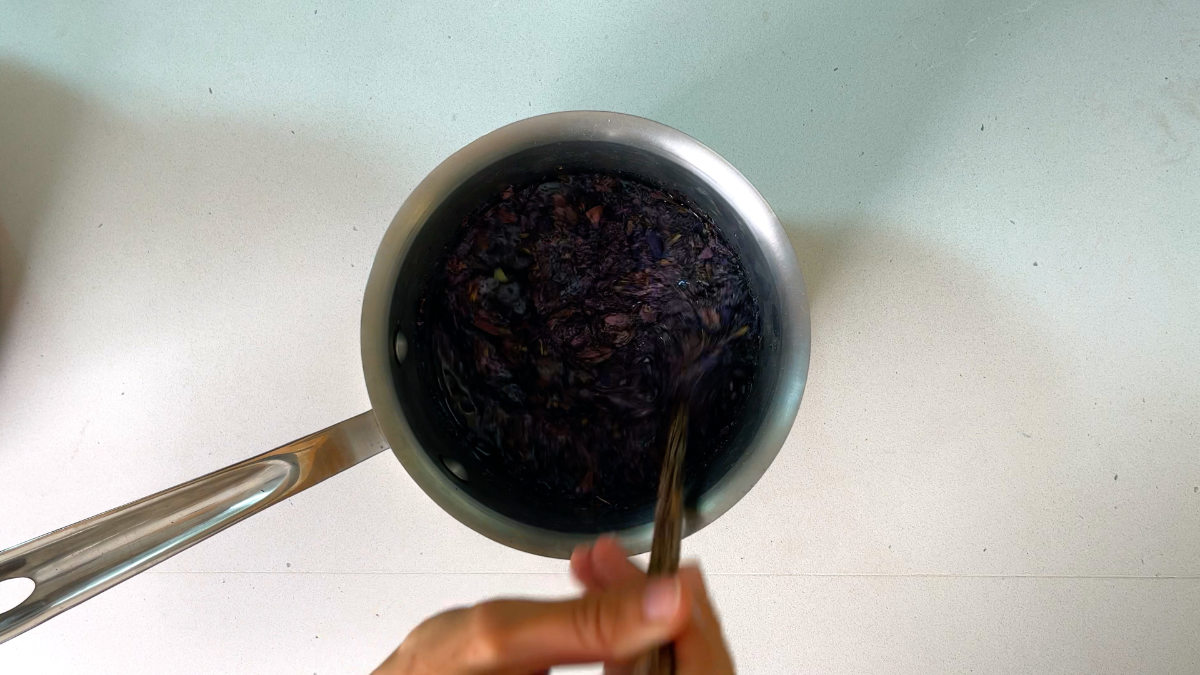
(377,340)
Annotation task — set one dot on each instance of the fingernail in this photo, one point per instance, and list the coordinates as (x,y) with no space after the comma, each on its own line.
(606,536)
(661,600)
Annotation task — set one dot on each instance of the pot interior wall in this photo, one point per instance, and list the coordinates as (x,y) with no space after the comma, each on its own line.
(445,442)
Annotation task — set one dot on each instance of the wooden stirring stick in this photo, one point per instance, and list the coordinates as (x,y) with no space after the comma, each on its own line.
(668,529)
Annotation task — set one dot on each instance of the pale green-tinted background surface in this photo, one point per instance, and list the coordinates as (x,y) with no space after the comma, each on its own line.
(996,205)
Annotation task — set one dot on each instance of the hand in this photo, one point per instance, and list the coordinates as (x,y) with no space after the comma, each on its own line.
(699,646)
(622,615)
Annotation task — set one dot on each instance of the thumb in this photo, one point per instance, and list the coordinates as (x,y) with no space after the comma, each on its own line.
(614,624)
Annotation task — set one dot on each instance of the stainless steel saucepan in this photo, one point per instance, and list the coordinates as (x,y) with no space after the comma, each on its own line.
(75,563)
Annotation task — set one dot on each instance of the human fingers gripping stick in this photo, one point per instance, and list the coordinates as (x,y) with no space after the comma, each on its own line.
(621,615)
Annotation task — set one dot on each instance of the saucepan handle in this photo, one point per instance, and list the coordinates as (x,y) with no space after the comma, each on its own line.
(79,561)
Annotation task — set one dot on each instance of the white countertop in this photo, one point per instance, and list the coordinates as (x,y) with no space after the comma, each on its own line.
(996,466)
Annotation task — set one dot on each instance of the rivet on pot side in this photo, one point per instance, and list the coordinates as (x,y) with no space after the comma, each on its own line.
(400,346)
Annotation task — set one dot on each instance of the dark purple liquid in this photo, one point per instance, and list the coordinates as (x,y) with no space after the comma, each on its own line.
(562,323)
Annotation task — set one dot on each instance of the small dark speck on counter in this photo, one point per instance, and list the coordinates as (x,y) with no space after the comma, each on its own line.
(835,69)
(210,90)
(288,564)
(314,11)
(981,127)
(1114,476)
(1012,222)
(100,226)
(1196,488)
(293,132)
(122,393)
(985,549)
(1035,263)
(356,228)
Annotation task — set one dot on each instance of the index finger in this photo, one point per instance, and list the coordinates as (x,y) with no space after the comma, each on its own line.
(604,564)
